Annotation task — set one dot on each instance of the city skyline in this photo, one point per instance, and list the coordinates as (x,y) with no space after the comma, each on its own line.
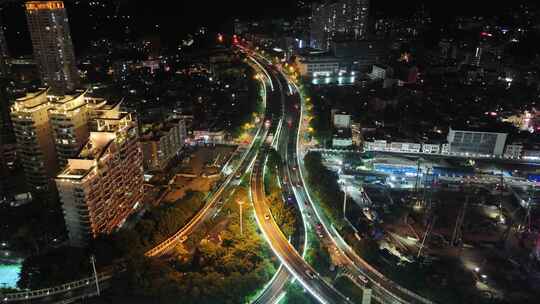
(335,152)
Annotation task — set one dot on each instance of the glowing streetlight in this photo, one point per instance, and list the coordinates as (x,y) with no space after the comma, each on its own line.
(241,204)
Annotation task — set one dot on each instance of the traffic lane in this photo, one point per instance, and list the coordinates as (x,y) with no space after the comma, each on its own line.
(274,291)
(290,258)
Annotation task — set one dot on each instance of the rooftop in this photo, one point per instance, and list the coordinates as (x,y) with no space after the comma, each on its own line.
(96,145)
(155,132)
(32,100)
(69,102)
(342,133)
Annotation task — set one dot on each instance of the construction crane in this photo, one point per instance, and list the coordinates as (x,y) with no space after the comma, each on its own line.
(429,228)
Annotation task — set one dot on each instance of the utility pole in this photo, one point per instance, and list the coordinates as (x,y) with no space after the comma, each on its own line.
(345,204)
(528,215)
(417,176)
(93,262)
(501,198)
(429,228)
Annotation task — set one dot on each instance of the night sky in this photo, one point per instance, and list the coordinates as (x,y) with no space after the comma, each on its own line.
(177,17)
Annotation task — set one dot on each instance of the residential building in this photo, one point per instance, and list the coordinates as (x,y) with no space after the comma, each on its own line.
(53,49)
(35,142)
(69,116)
(50,129)
(161,145)
(344,20)
(476,142)
(103,185)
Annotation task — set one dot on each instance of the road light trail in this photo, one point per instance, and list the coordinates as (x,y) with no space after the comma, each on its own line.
(286,253)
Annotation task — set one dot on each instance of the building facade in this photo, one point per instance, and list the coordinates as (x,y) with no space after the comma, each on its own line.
(343,20)
(51,41)
(103,185)
(69,117)
(513,151)
(162,145)
(35,143)
(4,54)
(342,138)
(476,143)
(317,65)
(50,129)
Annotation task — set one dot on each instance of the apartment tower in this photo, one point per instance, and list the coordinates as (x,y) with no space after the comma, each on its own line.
(103,185)
(53,48)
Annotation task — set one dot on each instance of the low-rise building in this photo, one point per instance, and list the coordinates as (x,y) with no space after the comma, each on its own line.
(341,119)
(476,142)
(342,138)
(317,65)
(210,136)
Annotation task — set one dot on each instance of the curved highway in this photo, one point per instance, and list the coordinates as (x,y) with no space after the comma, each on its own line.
(287,254)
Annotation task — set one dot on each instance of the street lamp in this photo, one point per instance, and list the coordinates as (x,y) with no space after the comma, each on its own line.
(241,204)
(93,262)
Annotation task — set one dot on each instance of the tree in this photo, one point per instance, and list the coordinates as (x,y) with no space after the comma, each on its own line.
(324,184)
(283,214)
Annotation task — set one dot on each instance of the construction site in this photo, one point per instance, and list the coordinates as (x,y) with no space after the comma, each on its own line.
(452,235)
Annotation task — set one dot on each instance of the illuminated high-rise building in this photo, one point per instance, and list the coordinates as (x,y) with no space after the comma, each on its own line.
(49,130)
(53,48)
(103,185)
(35,143)
(343,19)
(69,117)
(7,142)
